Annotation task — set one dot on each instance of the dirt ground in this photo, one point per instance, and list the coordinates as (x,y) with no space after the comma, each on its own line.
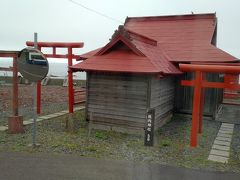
(53,99)
(50,94)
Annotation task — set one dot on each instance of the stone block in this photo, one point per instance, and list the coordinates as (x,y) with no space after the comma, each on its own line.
(39,119)
(59,113)
(219,153)
(225,131)
(79,108)
(224,135)
(15,124)
(227,124)
(218,158)
(44,117)
(52,115)
(224,143)
(224,138)
(3,128)
(220,147)
(27,122)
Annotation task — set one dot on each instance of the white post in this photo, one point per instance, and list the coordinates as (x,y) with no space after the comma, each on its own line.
(34,102)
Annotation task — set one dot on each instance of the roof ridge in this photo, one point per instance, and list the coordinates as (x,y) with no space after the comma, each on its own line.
(116,39)
(236,59)
(165,59)
(172,17)
(139,37)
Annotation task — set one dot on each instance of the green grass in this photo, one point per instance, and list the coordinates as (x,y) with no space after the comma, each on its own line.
(102,135)
(171,143)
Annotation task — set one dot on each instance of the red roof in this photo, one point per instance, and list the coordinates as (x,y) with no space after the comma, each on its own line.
(89,54)
(124,60)
(184,38)
(151,44)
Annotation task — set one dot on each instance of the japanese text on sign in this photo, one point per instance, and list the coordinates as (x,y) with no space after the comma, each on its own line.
(149,129)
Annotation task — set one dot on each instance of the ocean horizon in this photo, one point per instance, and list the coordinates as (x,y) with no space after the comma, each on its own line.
(56,70)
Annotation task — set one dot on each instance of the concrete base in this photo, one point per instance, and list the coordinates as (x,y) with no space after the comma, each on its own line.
(15,124)
(70,123)
(34,145)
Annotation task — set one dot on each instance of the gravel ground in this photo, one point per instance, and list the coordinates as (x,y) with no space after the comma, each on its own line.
(235,147)
(53,99)
(171,143)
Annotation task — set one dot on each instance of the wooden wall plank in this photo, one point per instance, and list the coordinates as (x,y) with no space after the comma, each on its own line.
(162,98)
(117,99)
(212,99)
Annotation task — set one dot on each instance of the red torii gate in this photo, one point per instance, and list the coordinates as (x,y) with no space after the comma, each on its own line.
(199,83)
(70,56)
(15,122)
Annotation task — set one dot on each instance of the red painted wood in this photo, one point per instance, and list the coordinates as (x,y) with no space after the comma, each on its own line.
(57,44)
(126,61)
(70,56)
(15,122)
(8,53)
(196,109)
(231,79)
(187,82)
(207,84)
(201,105)
(185,38)
(210,68)
(15,88)
(221,85)
(62,56)
(54,51)
(163,40)
(6,69)
(116,40)
(199,84)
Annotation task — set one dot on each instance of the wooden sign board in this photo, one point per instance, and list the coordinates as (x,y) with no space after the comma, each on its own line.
(149,129)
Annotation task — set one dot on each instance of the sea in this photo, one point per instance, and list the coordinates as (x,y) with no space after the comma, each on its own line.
(56,69)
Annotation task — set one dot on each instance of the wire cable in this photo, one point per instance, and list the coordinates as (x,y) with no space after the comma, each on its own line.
(96,12)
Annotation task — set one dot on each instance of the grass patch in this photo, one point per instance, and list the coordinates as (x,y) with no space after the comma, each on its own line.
(91,149)
(165,143)
(101,135)
(171,143)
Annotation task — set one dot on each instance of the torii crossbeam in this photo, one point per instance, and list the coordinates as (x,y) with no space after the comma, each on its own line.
(199,83)
(70,56)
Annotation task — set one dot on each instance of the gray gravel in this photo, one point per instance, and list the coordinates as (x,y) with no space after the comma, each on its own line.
(171,146)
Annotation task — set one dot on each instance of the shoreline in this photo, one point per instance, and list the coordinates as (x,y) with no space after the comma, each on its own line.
(54,81)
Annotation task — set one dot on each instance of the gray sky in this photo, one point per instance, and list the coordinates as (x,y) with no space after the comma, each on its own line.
(61,20)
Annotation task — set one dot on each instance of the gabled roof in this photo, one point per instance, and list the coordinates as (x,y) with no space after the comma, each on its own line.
(123,60)
(180,28)
(152,44)
(131,53)
(119,37)
(89,54)
(184,38)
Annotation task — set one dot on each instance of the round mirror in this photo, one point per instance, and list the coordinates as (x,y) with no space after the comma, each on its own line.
(32,64)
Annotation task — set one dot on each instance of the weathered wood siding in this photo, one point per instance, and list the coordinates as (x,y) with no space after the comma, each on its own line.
(117,99)
(184,96)
(162,98)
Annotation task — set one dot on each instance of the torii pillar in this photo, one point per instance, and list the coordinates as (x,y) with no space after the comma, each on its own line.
(15,122)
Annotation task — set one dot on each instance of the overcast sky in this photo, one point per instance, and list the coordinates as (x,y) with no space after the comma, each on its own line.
(62,20)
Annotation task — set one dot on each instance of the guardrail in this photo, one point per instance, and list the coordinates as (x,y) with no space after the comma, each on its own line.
(79,96)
